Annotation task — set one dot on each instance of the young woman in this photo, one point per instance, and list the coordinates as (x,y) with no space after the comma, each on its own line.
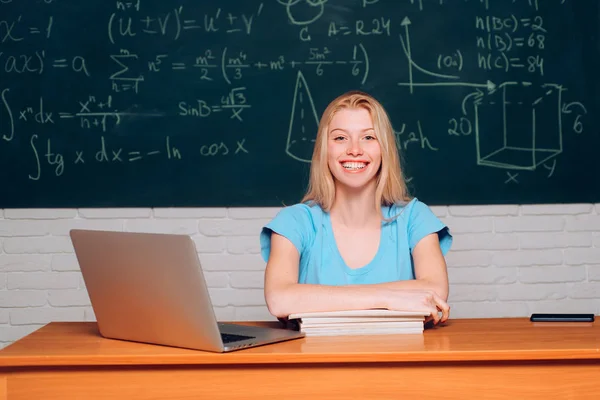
(357,240)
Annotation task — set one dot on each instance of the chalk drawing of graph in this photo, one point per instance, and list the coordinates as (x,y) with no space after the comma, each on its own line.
(304,123)
(531,126)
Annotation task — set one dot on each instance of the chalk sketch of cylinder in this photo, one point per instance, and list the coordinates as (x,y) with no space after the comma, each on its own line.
(530,121)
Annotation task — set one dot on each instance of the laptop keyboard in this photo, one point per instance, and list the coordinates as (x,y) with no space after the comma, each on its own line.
(230,337)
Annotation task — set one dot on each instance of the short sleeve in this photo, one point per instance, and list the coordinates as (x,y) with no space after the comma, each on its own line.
(422,222)
(294,223)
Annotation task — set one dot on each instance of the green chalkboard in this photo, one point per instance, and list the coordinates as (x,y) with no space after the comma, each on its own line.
(147,103)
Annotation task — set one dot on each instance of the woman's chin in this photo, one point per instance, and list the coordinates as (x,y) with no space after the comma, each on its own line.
(355,183)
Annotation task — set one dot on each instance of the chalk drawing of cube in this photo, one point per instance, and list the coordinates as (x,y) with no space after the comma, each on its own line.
(530,124)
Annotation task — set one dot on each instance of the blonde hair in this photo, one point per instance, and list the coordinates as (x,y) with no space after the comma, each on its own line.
(391,186)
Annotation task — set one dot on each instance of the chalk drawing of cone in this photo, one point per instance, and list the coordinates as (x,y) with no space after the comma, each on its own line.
(303,123)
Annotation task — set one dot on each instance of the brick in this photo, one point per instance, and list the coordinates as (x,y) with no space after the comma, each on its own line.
(14,333)
(230,227)
(552,274)
(89,314)
(224,314)
(13,228)
(596,239)
(439,211)
(259,313)
(468,258)
(461,292)
(469,225)
(23,298)
(552,240)
(115,212)
(3,280)
(243,245)
(589,223)
(40,213)
(488,309)
(539,291)
(253,212)
(39,245)
(255,280)
(248,297)
(43,280)
(24,262)
(477,275)
(176,226)
(529,224)
(64,262)
(237,297)
(46,315)
(68,297)
(485,241)
(228,262)
(479,211)
(557,209)
(527,257)
(593,272)
(586,290)
(220,297)
(565,306)
(4,316)
(62,227)
(216,279)
(207,245)
(582,256)
(191,213)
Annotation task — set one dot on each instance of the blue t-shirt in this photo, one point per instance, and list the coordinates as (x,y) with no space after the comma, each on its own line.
(309,229)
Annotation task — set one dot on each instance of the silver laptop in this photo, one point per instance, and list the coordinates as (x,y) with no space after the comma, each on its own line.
(149,288)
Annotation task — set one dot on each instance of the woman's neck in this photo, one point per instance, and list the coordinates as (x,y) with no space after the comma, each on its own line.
(355,208)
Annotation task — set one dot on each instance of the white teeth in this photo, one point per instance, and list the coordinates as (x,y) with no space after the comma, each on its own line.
(352,165)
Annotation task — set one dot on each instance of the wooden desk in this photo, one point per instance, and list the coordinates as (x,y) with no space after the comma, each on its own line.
(466,359)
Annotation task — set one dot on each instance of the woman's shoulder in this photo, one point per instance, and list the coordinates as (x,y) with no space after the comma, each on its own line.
(410,210)
(302,213)
(402,209)
(420,220)
(299,223)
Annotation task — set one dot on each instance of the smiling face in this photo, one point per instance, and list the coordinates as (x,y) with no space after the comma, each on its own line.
(353,150)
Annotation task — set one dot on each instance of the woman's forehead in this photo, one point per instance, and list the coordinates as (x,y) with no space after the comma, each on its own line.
(351,119)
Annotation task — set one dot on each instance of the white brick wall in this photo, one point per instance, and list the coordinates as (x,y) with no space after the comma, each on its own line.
(507,260)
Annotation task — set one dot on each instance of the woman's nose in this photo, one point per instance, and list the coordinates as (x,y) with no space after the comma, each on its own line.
(354,148)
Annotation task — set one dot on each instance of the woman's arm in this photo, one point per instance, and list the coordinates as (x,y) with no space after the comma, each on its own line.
(284,295)
(430,269)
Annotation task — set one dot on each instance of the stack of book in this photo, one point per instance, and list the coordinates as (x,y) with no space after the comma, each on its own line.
(358,322)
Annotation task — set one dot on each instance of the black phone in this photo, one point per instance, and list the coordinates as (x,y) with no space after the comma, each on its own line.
(566,317)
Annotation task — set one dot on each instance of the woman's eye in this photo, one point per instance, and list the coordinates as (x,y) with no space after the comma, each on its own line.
(369,137)
(338,138)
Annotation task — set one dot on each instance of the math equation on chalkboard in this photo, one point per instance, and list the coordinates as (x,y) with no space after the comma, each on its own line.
(217,103)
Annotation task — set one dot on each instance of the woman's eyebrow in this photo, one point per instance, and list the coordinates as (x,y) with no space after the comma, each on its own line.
(344,130)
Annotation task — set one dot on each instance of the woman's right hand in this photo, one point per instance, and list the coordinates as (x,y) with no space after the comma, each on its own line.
(426,301)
